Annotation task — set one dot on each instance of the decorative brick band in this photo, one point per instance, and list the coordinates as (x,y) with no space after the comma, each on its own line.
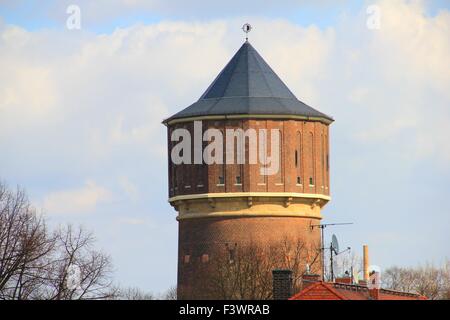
(248,116)
(249,204)
(250,194)
(244,215)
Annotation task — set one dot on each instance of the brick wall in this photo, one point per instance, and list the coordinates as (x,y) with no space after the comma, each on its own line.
(308,139)
(211,237)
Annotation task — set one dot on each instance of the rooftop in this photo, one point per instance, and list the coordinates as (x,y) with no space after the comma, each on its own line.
(339,291)
(248,86)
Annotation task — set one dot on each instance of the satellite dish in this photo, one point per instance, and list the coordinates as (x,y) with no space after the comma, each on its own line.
(334,244)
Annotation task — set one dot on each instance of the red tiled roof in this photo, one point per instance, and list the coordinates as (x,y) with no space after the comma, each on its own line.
(318,291)
(337,291)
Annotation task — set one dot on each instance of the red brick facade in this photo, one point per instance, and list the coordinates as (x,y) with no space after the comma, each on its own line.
(214,236)
(304,159)
(304,169)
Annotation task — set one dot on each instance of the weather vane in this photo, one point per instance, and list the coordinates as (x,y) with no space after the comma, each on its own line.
(246,28)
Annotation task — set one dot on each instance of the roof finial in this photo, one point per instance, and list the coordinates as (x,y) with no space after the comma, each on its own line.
(246,28)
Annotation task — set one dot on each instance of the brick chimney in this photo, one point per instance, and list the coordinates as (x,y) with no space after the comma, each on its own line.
(362,283)
(309,278)
(345,280)
(282,284)
(366,262)
(374,293)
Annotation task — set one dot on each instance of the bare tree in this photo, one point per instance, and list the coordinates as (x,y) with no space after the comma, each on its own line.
(170,294)
(345,263)
(246,272)
(24,246)
(133,293)
(78,271)
(36,264)
(430,281)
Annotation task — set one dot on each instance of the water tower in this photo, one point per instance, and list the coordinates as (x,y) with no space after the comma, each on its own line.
(223,206)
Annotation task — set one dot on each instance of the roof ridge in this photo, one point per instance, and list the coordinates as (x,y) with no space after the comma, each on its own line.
(400,293)
(263,74)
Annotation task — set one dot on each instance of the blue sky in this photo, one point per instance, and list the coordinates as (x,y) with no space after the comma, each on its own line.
(80,114)
(35,14)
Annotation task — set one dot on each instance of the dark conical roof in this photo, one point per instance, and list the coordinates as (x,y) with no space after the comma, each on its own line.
(248,86)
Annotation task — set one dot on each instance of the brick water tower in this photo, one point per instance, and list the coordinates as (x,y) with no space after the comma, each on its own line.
(223,207)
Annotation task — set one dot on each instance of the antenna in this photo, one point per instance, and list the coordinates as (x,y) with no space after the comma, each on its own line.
(322,226)
(334,248)
(246,28)
(334,244)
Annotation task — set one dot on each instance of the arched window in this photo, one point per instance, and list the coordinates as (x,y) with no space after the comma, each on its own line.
(263,148)
(311,161)
(280,173)
(322,158)
(221,166)
(298,157)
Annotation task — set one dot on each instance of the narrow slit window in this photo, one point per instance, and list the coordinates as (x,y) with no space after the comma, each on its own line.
(231,255)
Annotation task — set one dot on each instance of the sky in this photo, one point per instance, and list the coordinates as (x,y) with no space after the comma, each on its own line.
(81,112)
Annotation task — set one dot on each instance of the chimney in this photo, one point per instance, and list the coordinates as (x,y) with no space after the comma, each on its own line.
(366,262)
(374,285)
(362,283)
(374,293)
(282,284)
(344,280)
(309,278)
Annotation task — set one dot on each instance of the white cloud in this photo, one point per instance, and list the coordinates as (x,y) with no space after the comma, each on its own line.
(130,189)
(78,105)
(75,102)
(76,201)
(388,88)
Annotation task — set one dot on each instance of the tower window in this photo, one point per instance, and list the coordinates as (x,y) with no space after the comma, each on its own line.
(238,180)
(221,180)
(231,253)
(187,258)
(296,158)
(299,180)
(205,258)
(311,181)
